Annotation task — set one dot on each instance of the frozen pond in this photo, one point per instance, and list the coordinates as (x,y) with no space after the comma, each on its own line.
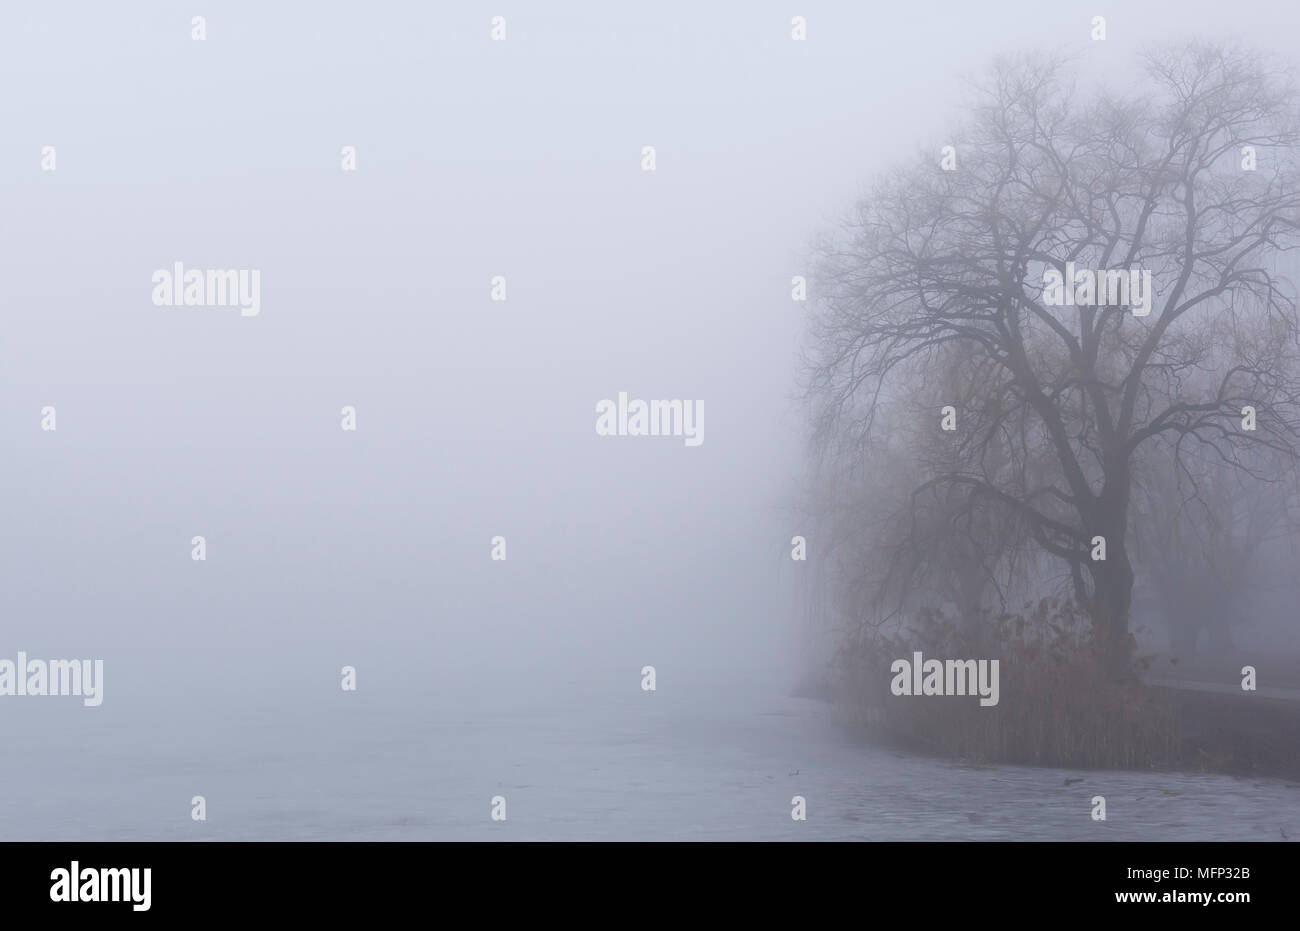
(643,767)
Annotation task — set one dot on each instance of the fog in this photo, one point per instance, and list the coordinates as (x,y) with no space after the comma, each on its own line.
(474,417)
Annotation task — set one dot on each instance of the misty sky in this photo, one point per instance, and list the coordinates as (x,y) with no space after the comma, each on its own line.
(475,418)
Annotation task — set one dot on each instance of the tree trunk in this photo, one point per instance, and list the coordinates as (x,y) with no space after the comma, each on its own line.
(1112,594)
(1112,600)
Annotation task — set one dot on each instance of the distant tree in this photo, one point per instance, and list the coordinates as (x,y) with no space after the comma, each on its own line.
(938,270)
(1206,538)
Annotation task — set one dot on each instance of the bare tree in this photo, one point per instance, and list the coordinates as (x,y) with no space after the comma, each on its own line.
(1205,538)
(890,550)
(931,260)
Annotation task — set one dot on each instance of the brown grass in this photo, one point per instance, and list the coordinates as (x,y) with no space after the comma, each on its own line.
(1056,705)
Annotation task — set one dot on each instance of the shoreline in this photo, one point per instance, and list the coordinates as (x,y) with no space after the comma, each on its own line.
(1220,733)
(1241,734)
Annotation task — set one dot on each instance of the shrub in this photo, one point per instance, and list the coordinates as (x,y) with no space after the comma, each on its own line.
(1057,706)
